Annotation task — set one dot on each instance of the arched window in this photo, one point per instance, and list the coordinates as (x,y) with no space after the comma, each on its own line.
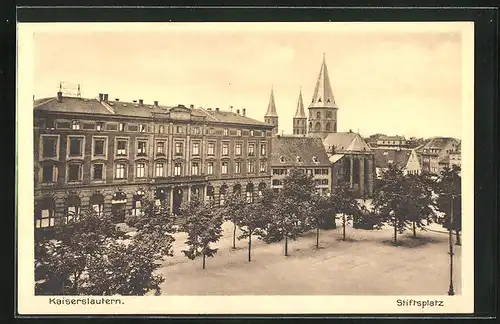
(45,213)
(137,203)
(72,207)
(249,192)
(237,189)
(328,127)
(262,186)
(195,192)
(317,126)
(118,205)
(97,203)
(210,192)
(310,125)
(222,194)
(160,196)
(318,114)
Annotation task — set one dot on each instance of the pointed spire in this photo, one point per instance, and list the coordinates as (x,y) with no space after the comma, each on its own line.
(271,108)
(299,113)
(323,95)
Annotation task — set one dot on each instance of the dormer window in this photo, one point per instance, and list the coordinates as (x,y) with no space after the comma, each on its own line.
(315,159)
(282,159)
(142,128)
(385,153)
(75,124)
(299,159)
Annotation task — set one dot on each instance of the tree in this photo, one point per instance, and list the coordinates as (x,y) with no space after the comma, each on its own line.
(344,200)
(233,210)
(251,221)
(288,219)
(321,209)
(392,201)
(421,205)
(449,201)
(203,226)
(88,256)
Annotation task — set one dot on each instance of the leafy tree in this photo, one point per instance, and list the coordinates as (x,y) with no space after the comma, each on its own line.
(421,205)
(321,209)
(392,201)
(203,226)
(87,256)
(252,221)
(288,219)
(449,201)
(233,210)
(344,200)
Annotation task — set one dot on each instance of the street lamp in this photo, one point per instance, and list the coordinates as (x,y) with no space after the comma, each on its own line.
(451,290)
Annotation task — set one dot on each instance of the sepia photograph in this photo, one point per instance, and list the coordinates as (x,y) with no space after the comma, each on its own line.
(245,167)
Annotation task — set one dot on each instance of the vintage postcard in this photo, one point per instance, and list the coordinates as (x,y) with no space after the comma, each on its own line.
(245,168)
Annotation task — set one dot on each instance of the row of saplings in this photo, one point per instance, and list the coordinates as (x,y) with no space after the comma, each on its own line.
(90,255)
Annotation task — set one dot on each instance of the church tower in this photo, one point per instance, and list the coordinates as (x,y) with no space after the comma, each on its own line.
(300,118)
(271,116)
(323,109)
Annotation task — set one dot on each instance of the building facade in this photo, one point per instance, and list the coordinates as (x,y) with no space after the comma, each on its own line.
(405,159)
(391,141)
(303,153)
(109,154)
(435,155)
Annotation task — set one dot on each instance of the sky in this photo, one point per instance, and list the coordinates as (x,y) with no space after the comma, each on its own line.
(394,79)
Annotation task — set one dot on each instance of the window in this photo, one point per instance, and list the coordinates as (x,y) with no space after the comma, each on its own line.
(161,129)
(196,148)
(121,127)
(137,203)
(140,170)
(98,174)
(160,148)
(99,147)
(224,167)
(324,181)
(75,146)
(251,132)
(159,169)
(238,132)
(45,213)
(75,124)
(251,166)
(99,126)
(195,168)
(315,160)
(74,172)
(177,169)
(121,147)
(238,149)
(318,114)
(142,128)
(120,171)
(178,129)
(277,182)
(282,159)
(226,132)
(329,114)
(49,174)
(50,124)
(210,168)
(317,171)
(299,159)
(251,149)
(262,166)
(141,148)
(197,131)
(49,146)
(225,149)
(237,167)
(263,149)
(324,171)
(97,204)
(211,149)
(178,148)
(279,171)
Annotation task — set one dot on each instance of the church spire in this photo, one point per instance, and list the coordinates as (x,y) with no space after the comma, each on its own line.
(271,108)
(323,95)
(299,113)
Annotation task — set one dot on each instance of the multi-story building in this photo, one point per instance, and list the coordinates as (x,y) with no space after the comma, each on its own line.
(455,156)
(435,154)
(391,141)
(405,159)
(108,154)
(304,153)
(352,161)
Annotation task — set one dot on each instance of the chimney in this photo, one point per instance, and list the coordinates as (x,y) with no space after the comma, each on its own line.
(59,96)
(135,101)
(244,112)
(141,102)
(156,103)
(191,106)
(100,97)
(237,111)
(217,109)
(117,99)
(105,98)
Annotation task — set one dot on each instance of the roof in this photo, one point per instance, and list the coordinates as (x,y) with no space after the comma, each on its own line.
(345,141)
(439,142)
(335,157)
(391,138)
(134,109)
(300,113)
(271,108)
(291,147)
(384,157)
(323,94)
